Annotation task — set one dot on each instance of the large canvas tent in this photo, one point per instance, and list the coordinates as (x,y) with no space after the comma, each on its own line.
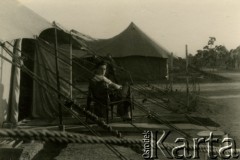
(133,50)
(22,91)
(17,22)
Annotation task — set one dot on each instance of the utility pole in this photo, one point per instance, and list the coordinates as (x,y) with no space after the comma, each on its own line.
(187,77)
(71,69)
(171,72)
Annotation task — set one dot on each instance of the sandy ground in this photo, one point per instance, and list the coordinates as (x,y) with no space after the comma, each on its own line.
(220,103)
(98,151)
(223,104)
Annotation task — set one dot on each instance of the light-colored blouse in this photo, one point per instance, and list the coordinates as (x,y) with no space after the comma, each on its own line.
(98,78)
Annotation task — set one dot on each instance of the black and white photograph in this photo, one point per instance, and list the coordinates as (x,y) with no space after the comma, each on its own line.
(122,79)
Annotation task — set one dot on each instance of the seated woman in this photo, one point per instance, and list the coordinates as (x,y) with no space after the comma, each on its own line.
(101,89)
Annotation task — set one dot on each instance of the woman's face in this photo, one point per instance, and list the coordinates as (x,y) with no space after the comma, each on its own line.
(102,69)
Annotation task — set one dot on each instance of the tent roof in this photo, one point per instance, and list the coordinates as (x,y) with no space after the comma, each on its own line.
(131,42)
(17,21)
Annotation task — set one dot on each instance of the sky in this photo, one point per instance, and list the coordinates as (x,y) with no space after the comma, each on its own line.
(171,23)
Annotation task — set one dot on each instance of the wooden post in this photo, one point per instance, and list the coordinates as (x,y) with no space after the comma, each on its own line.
(167,76)
(1,62)
(187,83)
(61,127)
(1,88)
(71,72)
(171,72)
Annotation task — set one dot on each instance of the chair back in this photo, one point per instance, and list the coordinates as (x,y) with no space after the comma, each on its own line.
(99,92)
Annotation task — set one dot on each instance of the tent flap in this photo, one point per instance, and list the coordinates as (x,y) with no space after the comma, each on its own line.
(45,103)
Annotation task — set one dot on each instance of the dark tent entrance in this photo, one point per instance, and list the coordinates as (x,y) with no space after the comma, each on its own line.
(38,92)
(32,76)
(17,54)
(26,87)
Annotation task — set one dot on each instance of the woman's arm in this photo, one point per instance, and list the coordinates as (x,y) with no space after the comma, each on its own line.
(110,83)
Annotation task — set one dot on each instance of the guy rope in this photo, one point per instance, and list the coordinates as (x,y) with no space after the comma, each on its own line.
(71,106)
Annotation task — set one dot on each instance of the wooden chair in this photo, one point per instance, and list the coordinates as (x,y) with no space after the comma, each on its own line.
(104,99)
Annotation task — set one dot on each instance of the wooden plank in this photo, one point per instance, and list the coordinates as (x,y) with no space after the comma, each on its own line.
(17,144)
(30,150)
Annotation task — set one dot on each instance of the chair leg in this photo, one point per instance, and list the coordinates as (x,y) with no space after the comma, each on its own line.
(131,114)
(107,115)
(112,112)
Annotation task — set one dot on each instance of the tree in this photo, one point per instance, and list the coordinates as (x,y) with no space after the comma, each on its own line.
(212,56)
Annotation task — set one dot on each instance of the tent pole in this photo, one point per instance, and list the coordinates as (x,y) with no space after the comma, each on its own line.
(71,68)
(61,126)
(1,53)
(8,123)
(187,79)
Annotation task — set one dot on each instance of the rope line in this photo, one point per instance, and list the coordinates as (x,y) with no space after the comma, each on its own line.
(71,104)
(108,127)
(66,137)
(157,118)
(91,115)
(101,123)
